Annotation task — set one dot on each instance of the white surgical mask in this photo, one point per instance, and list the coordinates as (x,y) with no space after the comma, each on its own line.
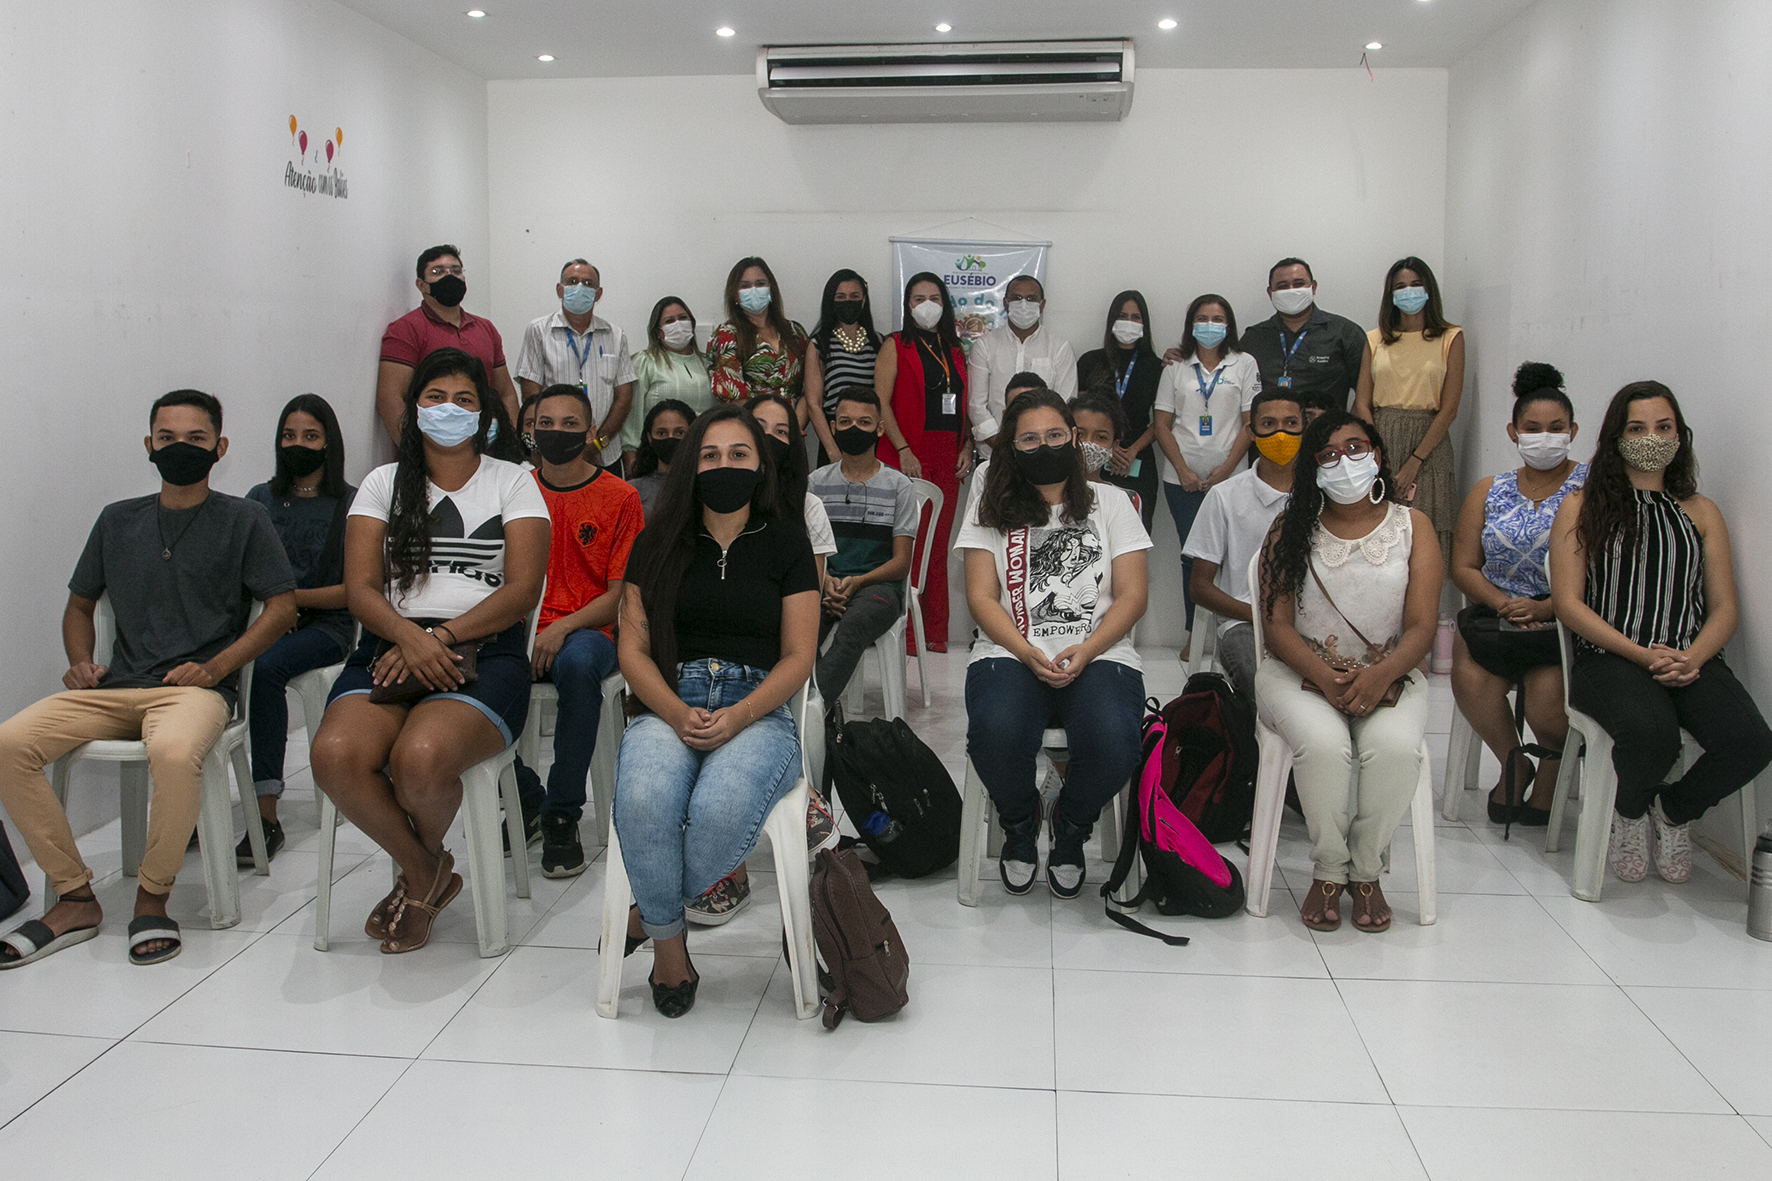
(1024,313)
(1293,300)
(927,314)
(1349,481)
(1544,451)
(677,333)
(754,299)
(447,424)
(1128,332)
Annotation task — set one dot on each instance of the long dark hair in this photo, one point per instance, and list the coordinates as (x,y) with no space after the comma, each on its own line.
(1010,500)
(1285,567)
(1608,503)
(741,322)
(827,311)
(645,459)
(332,483)
(1433,316)
(793,474)
(1189,345)
(1111,345)
(665,547)
(409,516)
(945,336)
(655,345)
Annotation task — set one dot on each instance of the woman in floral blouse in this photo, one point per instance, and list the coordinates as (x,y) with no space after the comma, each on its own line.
(758,350)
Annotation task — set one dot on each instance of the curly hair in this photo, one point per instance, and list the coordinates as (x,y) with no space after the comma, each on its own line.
(1608,505)
(1534,381)
(1009,500)
(1284,568)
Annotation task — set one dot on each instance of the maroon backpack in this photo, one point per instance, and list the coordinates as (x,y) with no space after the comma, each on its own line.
(1209,757)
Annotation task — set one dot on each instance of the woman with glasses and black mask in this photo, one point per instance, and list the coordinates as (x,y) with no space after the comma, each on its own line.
(1350,585)
(841,353)
(1128,366)
(1056,576)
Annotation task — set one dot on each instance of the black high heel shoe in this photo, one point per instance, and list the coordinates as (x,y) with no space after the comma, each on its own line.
(629,944)
(674,1000)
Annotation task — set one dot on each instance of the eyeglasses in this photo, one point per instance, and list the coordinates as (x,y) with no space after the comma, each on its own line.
(437,272)
(1355,449)
(1055,437)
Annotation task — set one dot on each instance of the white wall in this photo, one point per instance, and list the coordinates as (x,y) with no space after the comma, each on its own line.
(151,244)
(1607,167)
(664,182)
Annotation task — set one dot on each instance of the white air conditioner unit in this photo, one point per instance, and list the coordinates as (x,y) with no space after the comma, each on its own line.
(980,82)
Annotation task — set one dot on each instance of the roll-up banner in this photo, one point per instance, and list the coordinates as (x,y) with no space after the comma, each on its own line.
(976,273)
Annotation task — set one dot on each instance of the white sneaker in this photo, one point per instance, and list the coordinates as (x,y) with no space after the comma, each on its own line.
(1673,846)
(1629,852)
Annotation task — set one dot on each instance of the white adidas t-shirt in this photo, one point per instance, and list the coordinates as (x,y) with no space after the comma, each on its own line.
(1057,581)
(467,534)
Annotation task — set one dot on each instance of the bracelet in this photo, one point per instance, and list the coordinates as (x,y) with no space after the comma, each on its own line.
(1416,456)
(906,447)
(452,636)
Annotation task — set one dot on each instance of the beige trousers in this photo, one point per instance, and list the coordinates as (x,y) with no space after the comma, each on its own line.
(1350,828)
(178,724)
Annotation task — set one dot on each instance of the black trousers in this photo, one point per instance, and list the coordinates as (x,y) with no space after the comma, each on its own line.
(1645,718)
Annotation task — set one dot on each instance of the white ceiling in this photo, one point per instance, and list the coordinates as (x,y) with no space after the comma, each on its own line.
(616,38)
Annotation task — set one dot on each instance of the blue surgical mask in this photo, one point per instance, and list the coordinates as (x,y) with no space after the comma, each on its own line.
(447,424)
(579,298)
(1208,334)
(1409,300)
(754,299)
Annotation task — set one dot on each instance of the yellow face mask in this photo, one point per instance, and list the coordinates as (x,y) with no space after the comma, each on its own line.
(1280,447)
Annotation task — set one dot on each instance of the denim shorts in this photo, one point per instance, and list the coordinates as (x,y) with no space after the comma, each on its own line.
(501,692)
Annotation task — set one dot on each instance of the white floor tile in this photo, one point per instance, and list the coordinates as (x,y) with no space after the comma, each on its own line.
(473,1121)
(576,920)
(964,1026)
(1521,1045)
(34,1064)
(1725,1033)
(281,994)
(1126,1136)
(157,1111)
(1761,1124)
(540,1008)
(1001,931)
(1256,1037)
(1461,1144)
(1241,945)
(1477,937)
(1663,938)
(760,1129)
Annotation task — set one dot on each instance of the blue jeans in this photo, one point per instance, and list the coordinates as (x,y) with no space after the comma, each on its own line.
(300,651)
(1184,506)
(583,661)
(1008,708)
(686,819)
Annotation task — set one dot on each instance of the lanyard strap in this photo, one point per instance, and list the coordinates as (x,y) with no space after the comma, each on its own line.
(1206,390)
(581,358)
(1125,379)
(1287,353)
(947,371)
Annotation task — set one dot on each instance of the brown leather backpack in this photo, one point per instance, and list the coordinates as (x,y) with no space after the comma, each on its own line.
(857,940)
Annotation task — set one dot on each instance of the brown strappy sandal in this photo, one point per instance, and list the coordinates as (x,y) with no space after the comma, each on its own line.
(1316,906)
(410,927)
(1368,902)
(376,926)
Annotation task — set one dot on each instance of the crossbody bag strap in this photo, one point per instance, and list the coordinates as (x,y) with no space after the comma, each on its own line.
(1310,563)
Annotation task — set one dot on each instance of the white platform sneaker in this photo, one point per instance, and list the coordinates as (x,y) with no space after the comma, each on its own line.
(1629,854)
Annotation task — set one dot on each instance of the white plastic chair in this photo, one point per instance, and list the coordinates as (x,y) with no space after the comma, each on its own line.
(927,493)
(786,829)
(544,712)
(1203,642)
(215,818)
(1270,803)
(485,786)
(977,815)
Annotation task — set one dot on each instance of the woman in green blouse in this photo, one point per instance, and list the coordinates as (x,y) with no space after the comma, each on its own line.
(669,368)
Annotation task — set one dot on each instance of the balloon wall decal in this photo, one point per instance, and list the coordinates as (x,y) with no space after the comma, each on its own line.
(292,126)
(338,133)
(329,151)
(303,140)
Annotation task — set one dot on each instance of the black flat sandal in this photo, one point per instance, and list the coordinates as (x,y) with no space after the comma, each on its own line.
(674,1000)
(629,944)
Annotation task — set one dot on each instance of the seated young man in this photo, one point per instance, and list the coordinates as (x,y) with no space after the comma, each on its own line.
(1231,526)
(596,516)
(873,512)
(181,568)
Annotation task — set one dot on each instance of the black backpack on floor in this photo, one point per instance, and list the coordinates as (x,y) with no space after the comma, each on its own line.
(13,890)
(902,801)
(1210,757)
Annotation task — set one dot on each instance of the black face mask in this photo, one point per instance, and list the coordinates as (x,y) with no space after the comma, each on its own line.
(302,461)
(852,440)
(665,450)
(778,450)
(449,290)
(727,489)
(558,447)
(183,464)
(1047,464)
(849,310)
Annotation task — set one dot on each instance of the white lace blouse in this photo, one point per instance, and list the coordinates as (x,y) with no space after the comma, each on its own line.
(1368,578)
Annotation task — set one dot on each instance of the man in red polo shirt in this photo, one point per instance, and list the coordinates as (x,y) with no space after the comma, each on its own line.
(438,322)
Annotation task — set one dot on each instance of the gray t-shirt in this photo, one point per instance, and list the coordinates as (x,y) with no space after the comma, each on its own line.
(190,606)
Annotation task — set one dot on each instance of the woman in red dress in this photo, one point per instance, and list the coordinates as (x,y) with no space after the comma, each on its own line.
(920,376)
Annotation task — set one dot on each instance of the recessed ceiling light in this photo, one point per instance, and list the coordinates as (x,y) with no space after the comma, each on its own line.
(544,57)
(476,13)
(1374,45)
(724,31)
(1167,22)
(944,27)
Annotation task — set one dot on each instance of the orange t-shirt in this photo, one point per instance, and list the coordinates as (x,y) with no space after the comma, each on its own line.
(594,526)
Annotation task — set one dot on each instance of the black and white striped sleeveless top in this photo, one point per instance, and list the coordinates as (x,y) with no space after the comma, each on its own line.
(843,368)
(1657,596)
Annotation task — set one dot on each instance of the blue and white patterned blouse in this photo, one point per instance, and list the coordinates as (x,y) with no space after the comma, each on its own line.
(1516,536)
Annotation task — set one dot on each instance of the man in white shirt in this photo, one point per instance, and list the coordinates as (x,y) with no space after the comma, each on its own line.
(1232,526)
(575,347)
(1020,345)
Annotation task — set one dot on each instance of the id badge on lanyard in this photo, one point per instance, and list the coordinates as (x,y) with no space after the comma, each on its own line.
(1206,397)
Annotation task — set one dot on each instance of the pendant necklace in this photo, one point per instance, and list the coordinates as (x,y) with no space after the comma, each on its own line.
(160,524)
